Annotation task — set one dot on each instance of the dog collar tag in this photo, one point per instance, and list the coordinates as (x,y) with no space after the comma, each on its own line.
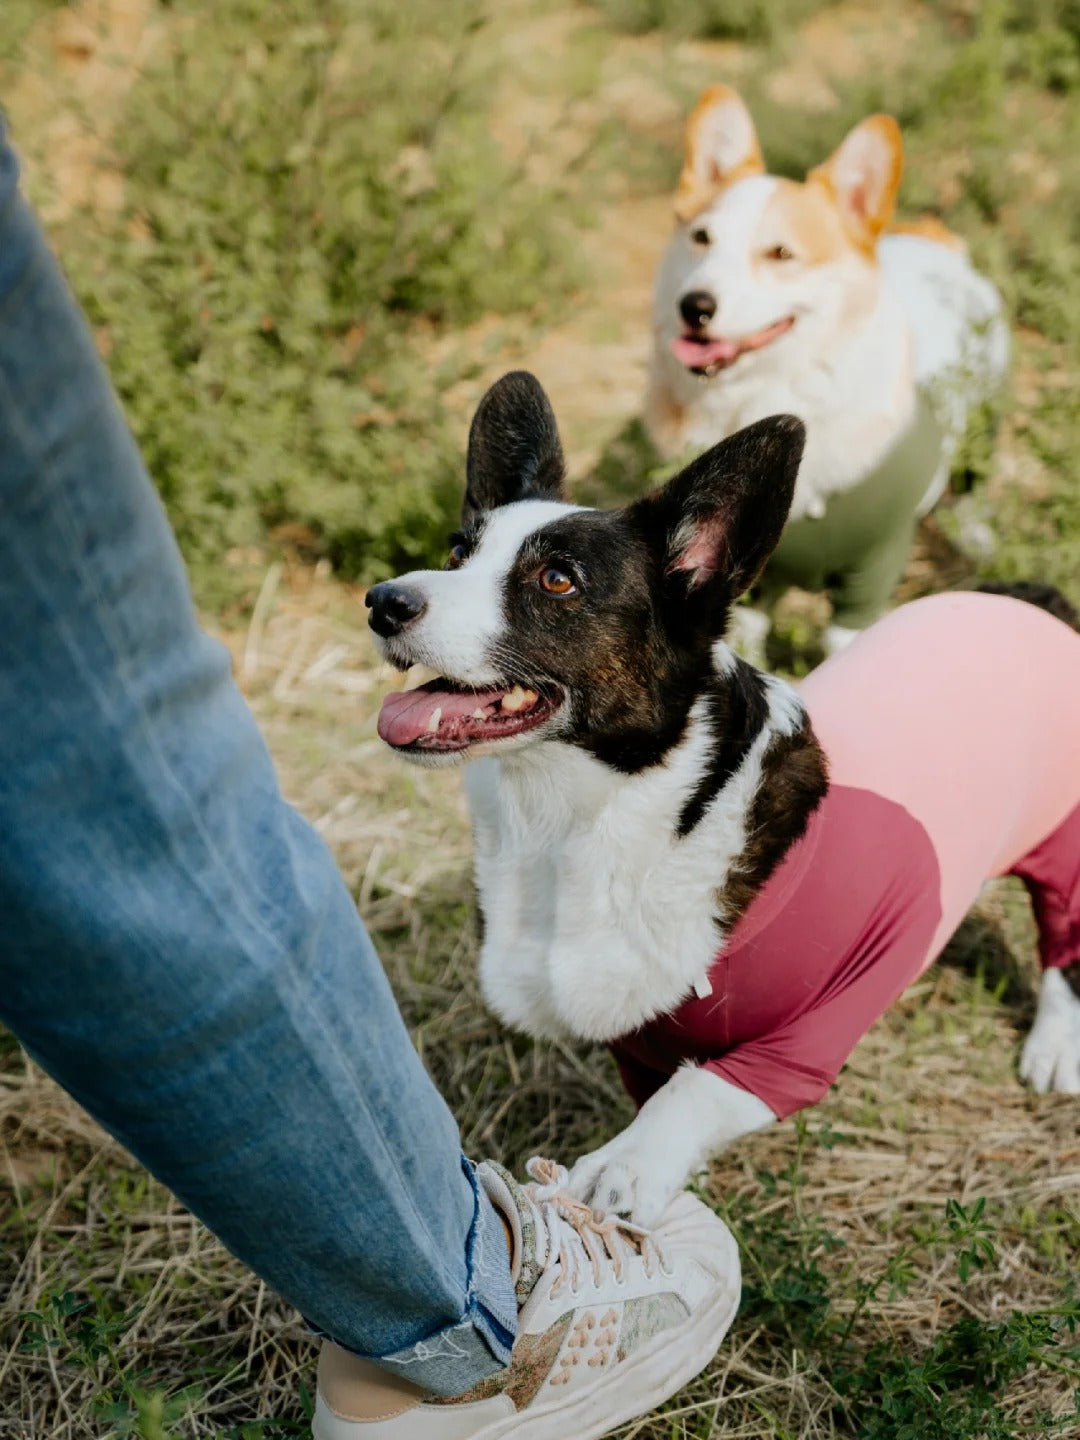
(703,986)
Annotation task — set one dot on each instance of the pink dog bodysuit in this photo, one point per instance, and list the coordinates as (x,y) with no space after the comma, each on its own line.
(952,731)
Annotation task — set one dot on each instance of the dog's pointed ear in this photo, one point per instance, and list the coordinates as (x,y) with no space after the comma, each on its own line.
(863,176)
(514,449)
(721,146)
(718,521)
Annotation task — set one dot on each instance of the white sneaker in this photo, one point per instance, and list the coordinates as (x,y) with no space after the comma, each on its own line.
(613,1320)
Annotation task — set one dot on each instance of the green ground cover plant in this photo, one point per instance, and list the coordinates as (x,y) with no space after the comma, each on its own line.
(310,203)
(800,1287)
(756,20)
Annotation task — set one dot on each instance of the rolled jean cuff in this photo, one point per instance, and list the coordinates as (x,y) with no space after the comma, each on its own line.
(450,1361)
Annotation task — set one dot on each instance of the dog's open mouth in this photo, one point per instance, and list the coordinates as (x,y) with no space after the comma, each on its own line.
(443,717)
(704,356)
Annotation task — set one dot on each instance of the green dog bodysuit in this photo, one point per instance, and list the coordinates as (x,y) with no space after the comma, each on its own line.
(857,550)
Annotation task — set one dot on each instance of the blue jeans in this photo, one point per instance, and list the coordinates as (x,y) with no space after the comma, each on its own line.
(177,946)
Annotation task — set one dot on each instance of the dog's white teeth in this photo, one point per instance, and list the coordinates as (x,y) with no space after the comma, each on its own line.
(478,713)
(517,699)
(436,716)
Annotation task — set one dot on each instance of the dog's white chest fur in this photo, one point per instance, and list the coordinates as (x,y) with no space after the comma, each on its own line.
(597,914)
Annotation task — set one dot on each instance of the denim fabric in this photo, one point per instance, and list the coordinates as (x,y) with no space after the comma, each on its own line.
(176,945)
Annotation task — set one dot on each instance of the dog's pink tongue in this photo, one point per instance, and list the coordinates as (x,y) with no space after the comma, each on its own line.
(408,715)
(697,354)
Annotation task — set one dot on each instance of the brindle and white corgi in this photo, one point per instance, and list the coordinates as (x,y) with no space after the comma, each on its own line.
(724,878)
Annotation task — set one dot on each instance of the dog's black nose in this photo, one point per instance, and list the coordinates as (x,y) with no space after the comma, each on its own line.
(393,607)
(697,308)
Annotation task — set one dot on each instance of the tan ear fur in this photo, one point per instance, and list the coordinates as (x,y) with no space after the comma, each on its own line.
(721,146)
(863,176)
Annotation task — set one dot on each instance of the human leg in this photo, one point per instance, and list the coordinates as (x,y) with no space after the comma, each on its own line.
(176,944)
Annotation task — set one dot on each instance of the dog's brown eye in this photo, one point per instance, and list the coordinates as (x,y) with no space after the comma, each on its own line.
(700,236)
(779,252)
(458,555)
(556,582)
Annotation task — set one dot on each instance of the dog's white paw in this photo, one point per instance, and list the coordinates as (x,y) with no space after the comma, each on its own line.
(1051,1055)
(622,1178)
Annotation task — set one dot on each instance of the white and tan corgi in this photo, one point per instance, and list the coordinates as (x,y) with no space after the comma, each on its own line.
(782,296)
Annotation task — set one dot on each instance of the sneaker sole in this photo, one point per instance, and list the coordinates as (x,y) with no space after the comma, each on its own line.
(629,1390)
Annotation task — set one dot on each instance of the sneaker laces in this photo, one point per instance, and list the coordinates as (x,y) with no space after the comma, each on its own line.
(576,1232)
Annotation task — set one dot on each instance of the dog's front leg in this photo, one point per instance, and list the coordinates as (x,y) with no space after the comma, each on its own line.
(693,1117)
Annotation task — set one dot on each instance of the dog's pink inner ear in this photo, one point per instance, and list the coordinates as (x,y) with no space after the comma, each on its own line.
(859,200)
(863,175)
(721,146)
(701,550)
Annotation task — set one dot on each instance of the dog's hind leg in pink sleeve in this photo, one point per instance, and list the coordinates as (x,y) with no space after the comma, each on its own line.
(1051,872)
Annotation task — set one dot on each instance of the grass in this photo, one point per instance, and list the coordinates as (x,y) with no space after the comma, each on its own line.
(336,222)
(755,20)
(310,204)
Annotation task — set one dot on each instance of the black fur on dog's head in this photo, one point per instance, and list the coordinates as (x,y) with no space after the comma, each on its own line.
(609,618)
(514,448)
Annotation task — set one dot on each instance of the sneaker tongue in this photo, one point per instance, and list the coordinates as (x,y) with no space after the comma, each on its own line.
(526,1226)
